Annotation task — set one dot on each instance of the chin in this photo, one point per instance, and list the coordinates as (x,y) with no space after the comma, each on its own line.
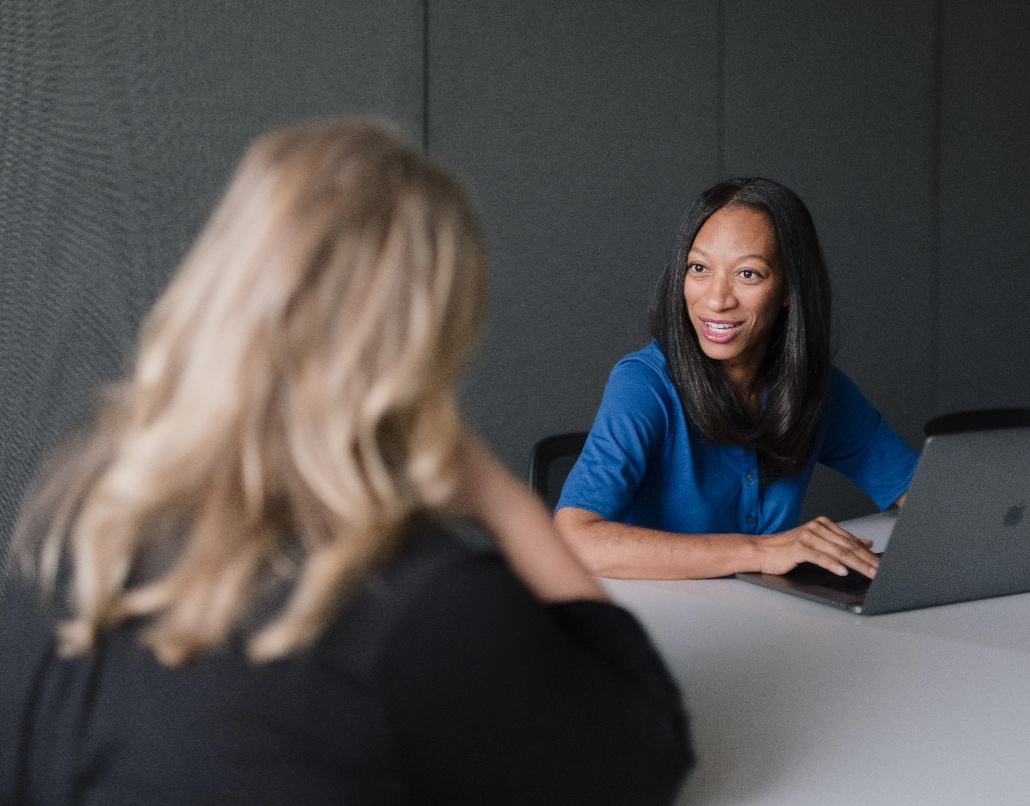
(719,354)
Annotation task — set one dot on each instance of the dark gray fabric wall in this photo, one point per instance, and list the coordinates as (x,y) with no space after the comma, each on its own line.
(838,102)
(119,123)
(585,128)
(582,130)
(984,244)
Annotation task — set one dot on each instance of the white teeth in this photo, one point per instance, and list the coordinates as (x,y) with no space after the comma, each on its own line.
(713,326)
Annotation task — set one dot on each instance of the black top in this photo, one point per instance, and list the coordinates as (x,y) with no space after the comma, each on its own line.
(444,681)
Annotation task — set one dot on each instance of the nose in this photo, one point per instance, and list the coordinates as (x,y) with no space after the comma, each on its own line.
(720,295)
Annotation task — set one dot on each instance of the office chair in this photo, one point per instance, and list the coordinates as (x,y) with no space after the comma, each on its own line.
(551,461)
(979,420)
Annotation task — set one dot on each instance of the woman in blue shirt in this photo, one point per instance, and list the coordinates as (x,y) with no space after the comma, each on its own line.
(705,440)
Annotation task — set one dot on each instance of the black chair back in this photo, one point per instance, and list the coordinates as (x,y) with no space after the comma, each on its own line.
(979,420)
(550,463)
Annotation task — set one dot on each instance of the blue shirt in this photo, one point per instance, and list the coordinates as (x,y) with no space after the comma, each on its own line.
(644,465)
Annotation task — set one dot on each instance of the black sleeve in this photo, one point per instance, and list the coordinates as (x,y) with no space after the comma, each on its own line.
(497,699)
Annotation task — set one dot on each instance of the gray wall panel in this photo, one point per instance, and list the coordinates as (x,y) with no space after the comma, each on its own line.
(836,101)
(119,124)
(205,79)
(582,129)
(985,206)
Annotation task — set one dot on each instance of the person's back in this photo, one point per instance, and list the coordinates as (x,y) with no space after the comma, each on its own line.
(243,583)
(443,681)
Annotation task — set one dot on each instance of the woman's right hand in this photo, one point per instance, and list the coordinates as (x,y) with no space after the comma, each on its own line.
(820,541)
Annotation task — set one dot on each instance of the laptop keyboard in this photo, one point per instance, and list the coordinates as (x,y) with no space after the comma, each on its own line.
(811,574)
(854,582)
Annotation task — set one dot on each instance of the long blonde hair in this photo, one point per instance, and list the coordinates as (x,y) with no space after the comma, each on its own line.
(291,406)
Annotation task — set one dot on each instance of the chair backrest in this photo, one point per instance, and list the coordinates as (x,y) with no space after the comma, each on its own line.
(551,461)
(979,420)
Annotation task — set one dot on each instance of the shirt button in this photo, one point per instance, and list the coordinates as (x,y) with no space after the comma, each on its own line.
(750,520)
(750,476)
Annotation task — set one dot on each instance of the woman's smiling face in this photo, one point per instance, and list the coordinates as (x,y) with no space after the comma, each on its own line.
(735,290)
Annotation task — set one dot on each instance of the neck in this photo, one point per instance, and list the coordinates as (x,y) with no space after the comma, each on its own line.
(743,377)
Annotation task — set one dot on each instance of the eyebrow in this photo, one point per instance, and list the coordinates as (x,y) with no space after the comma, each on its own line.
(742,257)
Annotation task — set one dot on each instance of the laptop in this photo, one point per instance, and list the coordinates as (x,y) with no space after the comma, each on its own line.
(963,534)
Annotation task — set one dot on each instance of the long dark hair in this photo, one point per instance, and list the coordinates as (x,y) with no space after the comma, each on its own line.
(795,372)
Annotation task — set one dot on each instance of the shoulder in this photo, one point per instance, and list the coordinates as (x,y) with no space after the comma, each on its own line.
(850,422)
(433,549)
(843,397)
(642,376)
(27,623)
(639,401)
(647,364)
(840,382)
(430,547)
(456,561)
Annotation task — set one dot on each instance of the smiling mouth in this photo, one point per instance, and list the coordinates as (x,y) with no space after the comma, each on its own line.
(720,332)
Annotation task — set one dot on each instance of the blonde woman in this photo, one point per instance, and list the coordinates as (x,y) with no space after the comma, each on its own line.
(247,581)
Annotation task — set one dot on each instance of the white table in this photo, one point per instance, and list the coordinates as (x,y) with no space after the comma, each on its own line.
(792,702)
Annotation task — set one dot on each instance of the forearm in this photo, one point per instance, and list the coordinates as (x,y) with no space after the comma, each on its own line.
(620,551)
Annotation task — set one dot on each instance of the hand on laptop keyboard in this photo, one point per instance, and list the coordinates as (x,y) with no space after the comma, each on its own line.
(810,574)
(821,542)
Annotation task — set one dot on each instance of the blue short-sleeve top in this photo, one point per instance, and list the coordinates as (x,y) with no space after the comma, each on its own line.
(644,465)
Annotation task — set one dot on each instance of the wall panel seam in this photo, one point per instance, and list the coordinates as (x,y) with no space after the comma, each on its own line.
(425,76)
(935,200)
(720,88)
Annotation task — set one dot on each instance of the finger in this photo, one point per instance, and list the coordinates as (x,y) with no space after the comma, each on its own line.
(861,548)
(825,560)
(845,548)
(859,558)
(834,558)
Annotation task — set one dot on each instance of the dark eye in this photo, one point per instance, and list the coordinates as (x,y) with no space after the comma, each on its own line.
(749,274)
(695,268)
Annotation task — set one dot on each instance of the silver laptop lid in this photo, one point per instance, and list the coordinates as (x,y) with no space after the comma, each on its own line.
(964,532)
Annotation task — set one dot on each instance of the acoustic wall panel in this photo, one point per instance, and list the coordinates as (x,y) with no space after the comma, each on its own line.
(119,124)
(984,328)
(836,100)
(65,316)
(206,78)
(582,130)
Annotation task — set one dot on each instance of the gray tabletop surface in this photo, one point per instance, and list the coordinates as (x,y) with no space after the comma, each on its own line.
(793,702)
